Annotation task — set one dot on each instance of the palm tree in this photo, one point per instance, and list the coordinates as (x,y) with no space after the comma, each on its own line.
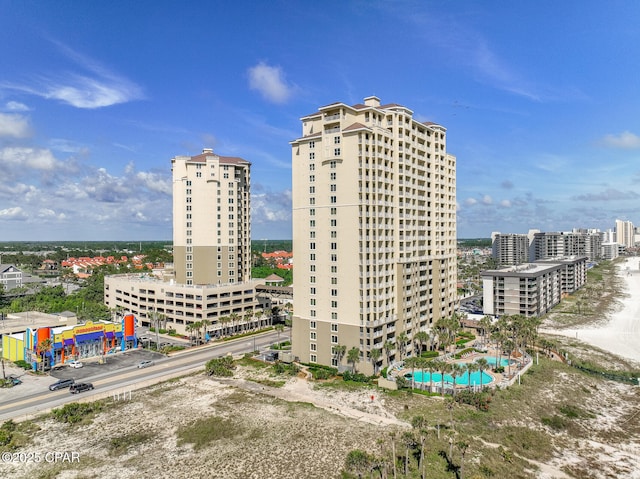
(442,367)
(508,347)
(463,446)
(234,322)
(482,365)
(485,325)
(358,462)
(279,328)
(196,326)
(431,365)
(189,329)
(456,370)
(353,356)
(205,323)
(374,356)
(422,337)
(471,368)
(412,362)
(339,351)
(402,343)
(388,347)
(44,347)
(420,424)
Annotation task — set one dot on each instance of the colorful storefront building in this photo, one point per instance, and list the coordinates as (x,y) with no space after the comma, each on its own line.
(56,345)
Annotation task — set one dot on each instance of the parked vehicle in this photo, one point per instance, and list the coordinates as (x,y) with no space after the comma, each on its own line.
(80,387)
(15,380)
(145,364)
(75,364)
(61,384)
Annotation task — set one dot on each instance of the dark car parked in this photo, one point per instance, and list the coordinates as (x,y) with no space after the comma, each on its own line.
(61,384)
(80,387)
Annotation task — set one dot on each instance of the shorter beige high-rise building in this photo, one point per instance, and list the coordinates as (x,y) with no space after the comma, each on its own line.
(211,276)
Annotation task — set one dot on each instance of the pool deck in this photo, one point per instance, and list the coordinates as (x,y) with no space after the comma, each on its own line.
(518,366)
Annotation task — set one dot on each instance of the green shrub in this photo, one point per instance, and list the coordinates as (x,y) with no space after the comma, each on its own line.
(22,364)
(429,354)
(355,377)
(74,412)
(555,422)
(220,367)
(384,372)
(480,400)
(320,374)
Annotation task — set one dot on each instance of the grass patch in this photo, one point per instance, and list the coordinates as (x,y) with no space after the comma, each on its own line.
(16,435)
(269,382)
(202,432)
(121,445)
(79,413)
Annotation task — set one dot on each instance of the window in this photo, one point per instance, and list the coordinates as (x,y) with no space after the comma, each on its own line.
(334,199)
(334,339)
(312,156)
(334,257)
(312,201)
(313,358)
(334,315)
(333,175)
(313,346)
(334,245)
(334,234)
(332,164)
(312,167)
(312,246)
(312,336)
(312,178)
(312,256)
(313,313)
(336,140)
(312,212)
(312,301)
(312,190)
(312,144)
(312,325)
(312,290)
(312,224)
(312,279)
(334,211)
(312,234)
(334,269)
(334,292)
(333,187)
(334,222)
(336,152)
(334,280)
(334,304)
(334,328)
(199,174)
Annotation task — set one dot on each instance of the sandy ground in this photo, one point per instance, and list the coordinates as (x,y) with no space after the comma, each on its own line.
(621,333)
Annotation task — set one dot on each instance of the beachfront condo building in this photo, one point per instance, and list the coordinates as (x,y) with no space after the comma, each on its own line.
(211,277)
(374,232)
(532,289)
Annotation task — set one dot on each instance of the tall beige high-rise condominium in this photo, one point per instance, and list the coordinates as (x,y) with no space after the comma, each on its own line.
(211,219)
(374,233)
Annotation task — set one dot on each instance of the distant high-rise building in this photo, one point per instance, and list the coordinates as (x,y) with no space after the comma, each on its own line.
(510,248)
(561,244)
(624,233)
(374,231)
(211,219)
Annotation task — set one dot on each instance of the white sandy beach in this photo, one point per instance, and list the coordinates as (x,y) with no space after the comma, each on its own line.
(621,334)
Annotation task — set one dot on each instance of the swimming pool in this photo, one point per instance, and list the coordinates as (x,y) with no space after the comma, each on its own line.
(504,362)
(463,380)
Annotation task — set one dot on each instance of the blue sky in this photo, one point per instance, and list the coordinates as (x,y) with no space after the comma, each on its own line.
(541,101)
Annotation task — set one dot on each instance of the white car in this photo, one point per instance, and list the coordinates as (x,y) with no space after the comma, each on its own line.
(75,364)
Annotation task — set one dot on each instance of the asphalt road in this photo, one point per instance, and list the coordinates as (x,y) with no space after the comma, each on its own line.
(120,375)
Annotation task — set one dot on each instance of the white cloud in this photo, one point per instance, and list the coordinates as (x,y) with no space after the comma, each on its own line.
(470,201)
(16,106)
(505,204)
(270,82)
(12,125)
(30,158)
(15,213)
(625,140)
(487,200)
